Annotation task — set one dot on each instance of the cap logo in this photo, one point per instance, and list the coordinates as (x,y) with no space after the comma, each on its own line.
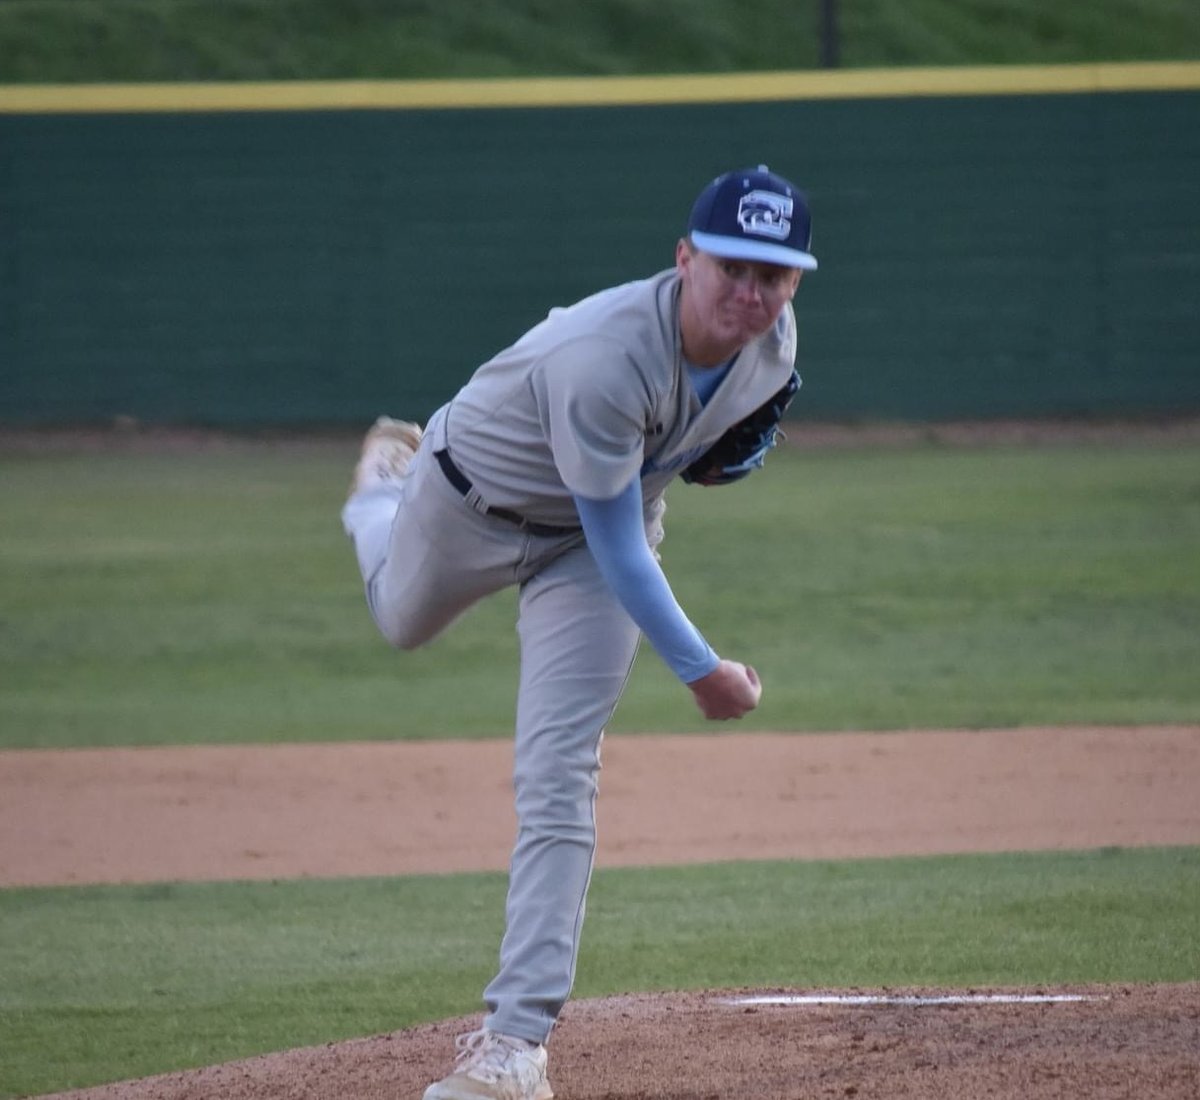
(765,214)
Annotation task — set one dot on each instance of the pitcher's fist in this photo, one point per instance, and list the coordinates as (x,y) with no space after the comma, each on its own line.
(729,691)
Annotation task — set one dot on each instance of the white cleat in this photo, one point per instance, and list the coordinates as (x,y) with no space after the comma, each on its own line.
(492,1066)
(387,450)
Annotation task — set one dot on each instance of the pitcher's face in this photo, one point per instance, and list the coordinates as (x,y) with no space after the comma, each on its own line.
(727,303)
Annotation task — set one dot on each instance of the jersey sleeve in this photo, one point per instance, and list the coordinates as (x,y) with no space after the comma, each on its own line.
(594,407)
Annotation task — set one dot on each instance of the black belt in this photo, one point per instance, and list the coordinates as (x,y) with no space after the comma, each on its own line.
(459,480)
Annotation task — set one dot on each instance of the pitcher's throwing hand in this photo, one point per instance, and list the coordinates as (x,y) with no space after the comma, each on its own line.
(729,691)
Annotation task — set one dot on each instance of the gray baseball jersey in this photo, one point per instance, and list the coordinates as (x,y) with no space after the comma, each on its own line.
(596,394)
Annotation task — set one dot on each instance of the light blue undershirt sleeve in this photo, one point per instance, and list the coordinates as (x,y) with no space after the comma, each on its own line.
(616,537)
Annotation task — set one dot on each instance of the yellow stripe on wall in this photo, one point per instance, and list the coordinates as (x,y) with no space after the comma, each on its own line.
(986,80)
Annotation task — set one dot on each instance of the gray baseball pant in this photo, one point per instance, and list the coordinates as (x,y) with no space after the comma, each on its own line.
(426,556)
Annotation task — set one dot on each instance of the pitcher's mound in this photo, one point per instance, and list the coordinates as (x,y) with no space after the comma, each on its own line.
(898,1044)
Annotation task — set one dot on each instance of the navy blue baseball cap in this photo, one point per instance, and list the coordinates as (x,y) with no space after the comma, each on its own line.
(753,214)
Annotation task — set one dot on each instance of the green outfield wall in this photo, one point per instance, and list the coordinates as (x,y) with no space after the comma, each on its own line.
(1025,244)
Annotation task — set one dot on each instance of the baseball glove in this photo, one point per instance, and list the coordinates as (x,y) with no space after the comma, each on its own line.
(743,447)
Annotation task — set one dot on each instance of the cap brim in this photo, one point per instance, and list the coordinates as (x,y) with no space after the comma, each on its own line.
(741,248)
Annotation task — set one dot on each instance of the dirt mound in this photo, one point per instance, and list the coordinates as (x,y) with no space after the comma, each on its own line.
(1105,1042)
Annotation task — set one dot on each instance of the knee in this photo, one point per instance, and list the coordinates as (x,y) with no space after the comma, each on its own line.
(404,642)
(399,624)
(400,632)
(557,793)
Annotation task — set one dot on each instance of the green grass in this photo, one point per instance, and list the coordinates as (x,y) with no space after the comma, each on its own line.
(104,40)
(103,983)
(212,597)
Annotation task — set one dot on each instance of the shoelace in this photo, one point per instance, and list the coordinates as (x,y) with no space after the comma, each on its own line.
(487,1056)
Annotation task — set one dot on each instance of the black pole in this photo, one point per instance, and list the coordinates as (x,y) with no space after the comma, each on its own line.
(829,34)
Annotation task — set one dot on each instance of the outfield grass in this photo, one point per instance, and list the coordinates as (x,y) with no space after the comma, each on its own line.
(104,983)
(138,40)
(211,596)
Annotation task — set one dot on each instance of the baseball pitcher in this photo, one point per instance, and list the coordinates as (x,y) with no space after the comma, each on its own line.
(547,471)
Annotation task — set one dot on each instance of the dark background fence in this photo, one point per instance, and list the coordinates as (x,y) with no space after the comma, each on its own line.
(981,256)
